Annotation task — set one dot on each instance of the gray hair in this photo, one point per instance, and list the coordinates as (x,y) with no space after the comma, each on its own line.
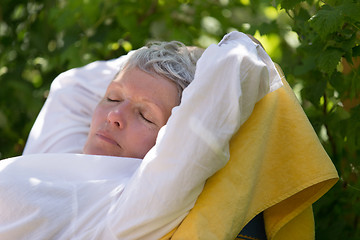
(171,60)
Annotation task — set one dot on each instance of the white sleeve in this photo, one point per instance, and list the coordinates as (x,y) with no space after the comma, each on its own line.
(63,123)
(230,78)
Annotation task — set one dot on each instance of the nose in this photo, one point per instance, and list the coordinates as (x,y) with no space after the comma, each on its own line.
(118,114)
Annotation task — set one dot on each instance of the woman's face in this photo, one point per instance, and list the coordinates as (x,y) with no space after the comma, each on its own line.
(127,120)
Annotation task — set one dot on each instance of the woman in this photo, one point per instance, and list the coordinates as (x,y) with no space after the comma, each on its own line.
(68,196)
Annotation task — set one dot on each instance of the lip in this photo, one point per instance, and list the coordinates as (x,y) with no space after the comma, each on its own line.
(104,136)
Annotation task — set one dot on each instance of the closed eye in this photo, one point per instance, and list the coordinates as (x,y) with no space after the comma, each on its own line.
(112,100)
(146,119)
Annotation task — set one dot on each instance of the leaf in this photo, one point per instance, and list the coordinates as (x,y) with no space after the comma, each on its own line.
(329,60)
(267,28)
(351,9)
(289,4)
(337,82)
(314,89)
(306,65)
(356,51)
(327,20)
(19,12)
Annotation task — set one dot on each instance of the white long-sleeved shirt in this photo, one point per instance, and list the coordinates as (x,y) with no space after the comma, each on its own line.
(69,196)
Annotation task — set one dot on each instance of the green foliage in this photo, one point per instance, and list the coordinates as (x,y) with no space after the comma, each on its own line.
(326,21)
(315,42)
(327,68)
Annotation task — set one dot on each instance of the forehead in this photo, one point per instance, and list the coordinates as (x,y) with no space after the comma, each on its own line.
(141,80)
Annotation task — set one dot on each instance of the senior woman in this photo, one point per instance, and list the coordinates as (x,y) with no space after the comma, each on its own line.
(148,190)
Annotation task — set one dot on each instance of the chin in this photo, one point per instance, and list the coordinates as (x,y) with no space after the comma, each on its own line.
(93,150)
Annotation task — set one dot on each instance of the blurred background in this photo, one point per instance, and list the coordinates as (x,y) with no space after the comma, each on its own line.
(315,42)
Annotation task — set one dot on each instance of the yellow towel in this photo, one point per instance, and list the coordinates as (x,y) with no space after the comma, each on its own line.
(277,166)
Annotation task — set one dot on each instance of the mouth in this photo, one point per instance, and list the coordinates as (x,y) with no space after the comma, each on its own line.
(107,138)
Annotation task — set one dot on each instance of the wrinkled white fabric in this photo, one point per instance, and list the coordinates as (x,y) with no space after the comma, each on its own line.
(75,196)
(60,196)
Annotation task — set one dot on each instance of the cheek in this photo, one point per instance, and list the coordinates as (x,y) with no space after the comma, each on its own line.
(150,139)
(99,116)
(146,135)
(145,139)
